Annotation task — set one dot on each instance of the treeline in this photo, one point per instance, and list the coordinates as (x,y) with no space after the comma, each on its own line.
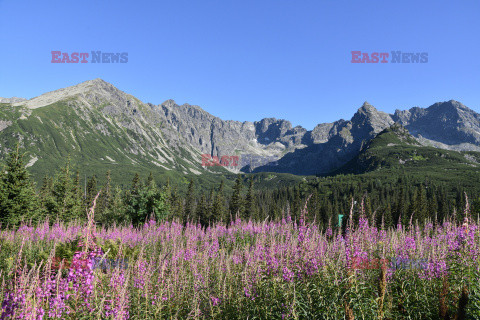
(62,198)
(384,201)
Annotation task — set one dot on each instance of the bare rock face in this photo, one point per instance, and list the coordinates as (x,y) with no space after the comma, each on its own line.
(449,124)
(11,100)
(169,133)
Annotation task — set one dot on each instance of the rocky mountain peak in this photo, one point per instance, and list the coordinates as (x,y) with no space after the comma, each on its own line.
(367,107)
(174,127)
(169,103)
(369,115)
(12,100)
(94,91)
(449,107)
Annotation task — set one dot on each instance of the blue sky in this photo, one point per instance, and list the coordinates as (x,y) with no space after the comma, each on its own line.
(247,60)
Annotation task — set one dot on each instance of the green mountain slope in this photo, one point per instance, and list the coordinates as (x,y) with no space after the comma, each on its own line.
(95,140)
(394,151)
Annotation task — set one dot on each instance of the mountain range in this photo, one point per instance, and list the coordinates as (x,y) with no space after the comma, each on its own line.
(100,127)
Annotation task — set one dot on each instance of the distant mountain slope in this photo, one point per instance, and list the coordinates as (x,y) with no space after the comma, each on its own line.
(394,149)
(448,125)
(101,127)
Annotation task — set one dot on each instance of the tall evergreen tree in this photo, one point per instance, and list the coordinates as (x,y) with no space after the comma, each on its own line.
(420,205)
(19,200)
(202,211)
(146,200)
(176,205)
(133,201)
(68,204)
(368,209)
(387,217)
(47,200)
(104,202)
(190,203)
(91,192)
(296,204)
(250,205)
(236,202)
(218,207)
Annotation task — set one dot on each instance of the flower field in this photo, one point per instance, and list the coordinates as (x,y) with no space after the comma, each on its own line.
(266,270)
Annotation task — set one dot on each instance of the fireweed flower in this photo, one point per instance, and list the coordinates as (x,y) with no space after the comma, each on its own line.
(288,275)
(215,301)
(191,260)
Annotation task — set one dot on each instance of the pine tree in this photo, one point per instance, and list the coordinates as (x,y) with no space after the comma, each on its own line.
(91,192)
(79,193)
(250,208)
(296,204)
(432,208)
(117,210)
(168,194)
(176,205)
(313,208)
(420,205)
(387,217)
(218,207)
(155,200)
(442,206)
(104,202)
(400,208)
(368,210)
(19,200)
(47,200)
(133,201)
(145,200)
(68,205)
(202,211)
(236,202)
(190,203)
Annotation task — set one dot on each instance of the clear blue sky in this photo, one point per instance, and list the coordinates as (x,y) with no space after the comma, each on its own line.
(246,60)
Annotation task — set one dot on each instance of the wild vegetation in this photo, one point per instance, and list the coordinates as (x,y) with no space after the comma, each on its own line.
(282,269)
(252,253)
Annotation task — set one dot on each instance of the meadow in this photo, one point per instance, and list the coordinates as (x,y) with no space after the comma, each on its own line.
(249,270)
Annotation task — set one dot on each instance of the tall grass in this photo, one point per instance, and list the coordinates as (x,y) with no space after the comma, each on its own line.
(267,270)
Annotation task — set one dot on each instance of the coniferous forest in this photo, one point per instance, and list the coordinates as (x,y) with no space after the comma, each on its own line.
(147,251)
(387,200)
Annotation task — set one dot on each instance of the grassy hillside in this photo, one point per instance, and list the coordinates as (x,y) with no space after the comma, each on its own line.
(394,152)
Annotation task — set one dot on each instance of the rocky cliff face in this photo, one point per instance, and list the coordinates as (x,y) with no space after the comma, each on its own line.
(11,100)
(174,136)
(448,124)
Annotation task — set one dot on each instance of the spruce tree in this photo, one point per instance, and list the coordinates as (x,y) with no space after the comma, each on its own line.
(155,200)
(117,212)
(133,201)
(91,192)
(387,217)
(202,211)
(218,207)
(368,210)
(250,206)
(190,203)
(68,205)
(19,200)
(104,202)
(296,204)
(236,202)
(176,205)
(47,200)
(420,205)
